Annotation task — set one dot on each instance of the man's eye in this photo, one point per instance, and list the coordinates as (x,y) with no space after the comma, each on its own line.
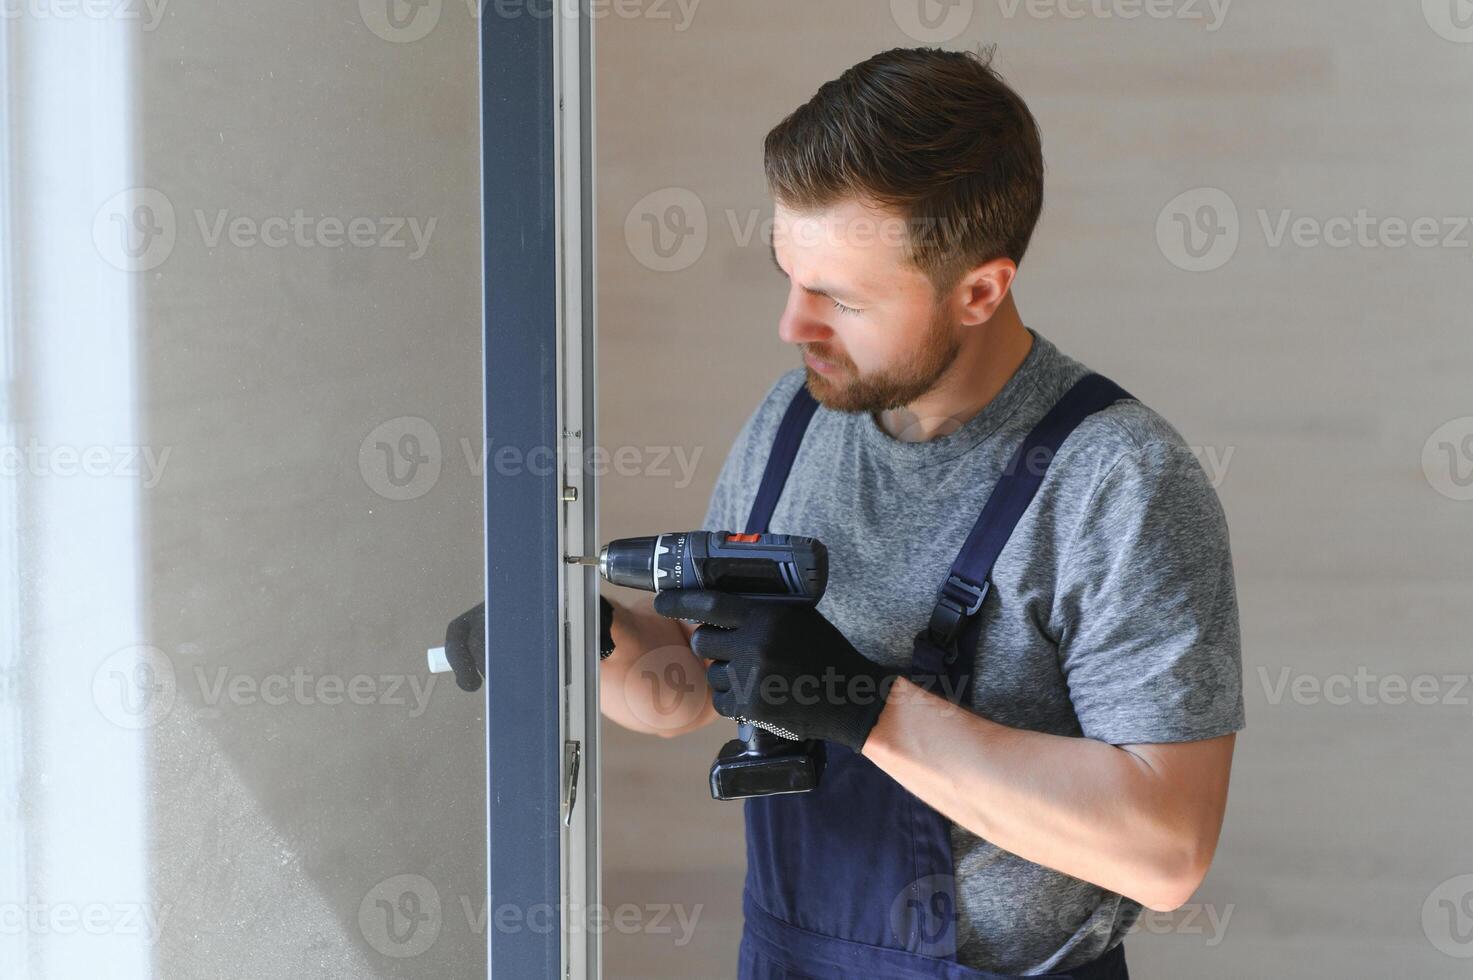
(844,309)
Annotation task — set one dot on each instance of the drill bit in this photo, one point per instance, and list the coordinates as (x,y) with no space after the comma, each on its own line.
(599,561)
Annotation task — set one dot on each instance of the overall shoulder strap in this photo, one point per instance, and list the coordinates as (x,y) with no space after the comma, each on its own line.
(780,460)
(968,582)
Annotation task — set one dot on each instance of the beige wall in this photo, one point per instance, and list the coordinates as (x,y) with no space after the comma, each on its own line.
(1312,377)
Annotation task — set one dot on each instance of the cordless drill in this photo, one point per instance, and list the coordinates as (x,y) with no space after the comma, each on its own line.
(770,567)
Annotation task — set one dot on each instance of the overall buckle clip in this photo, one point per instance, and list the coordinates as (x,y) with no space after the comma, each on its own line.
(958,600)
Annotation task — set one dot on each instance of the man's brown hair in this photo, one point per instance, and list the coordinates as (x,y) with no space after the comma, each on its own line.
(935,135)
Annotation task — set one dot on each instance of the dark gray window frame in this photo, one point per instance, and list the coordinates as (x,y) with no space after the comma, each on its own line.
(541,664)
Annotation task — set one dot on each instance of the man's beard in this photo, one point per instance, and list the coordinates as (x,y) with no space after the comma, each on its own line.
(882,391)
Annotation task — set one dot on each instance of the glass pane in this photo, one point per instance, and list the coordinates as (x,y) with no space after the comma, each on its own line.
(241,493)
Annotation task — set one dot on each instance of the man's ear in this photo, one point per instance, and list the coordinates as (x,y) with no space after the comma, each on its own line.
(981,292)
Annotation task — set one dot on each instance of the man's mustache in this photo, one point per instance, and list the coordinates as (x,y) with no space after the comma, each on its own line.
(827,356)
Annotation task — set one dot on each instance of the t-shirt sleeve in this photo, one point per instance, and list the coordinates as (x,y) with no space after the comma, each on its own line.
(1146,607)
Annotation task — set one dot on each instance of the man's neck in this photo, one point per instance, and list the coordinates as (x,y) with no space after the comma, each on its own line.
(981,370)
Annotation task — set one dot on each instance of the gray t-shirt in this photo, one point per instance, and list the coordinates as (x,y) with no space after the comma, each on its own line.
(1113,614)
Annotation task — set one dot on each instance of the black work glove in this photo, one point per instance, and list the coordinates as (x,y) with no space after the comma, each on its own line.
(465,647)
(465,643)
(605,628)
(782,664)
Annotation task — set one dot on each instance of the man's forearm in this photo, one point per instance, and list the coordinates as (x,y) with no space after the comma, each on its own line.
(1130,819)
(652,683)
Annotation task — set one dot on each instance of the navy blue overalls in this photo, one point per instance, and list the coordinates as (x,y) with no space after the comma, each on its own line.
(855,879)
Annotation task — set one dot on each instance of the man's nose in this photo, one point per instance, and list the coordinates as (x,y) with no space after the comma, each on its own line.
(799,325)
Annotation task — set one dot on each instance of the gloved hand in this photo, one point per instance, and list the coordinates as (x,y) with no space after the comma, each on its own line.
(784,664)
(465,643)
(465,647)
